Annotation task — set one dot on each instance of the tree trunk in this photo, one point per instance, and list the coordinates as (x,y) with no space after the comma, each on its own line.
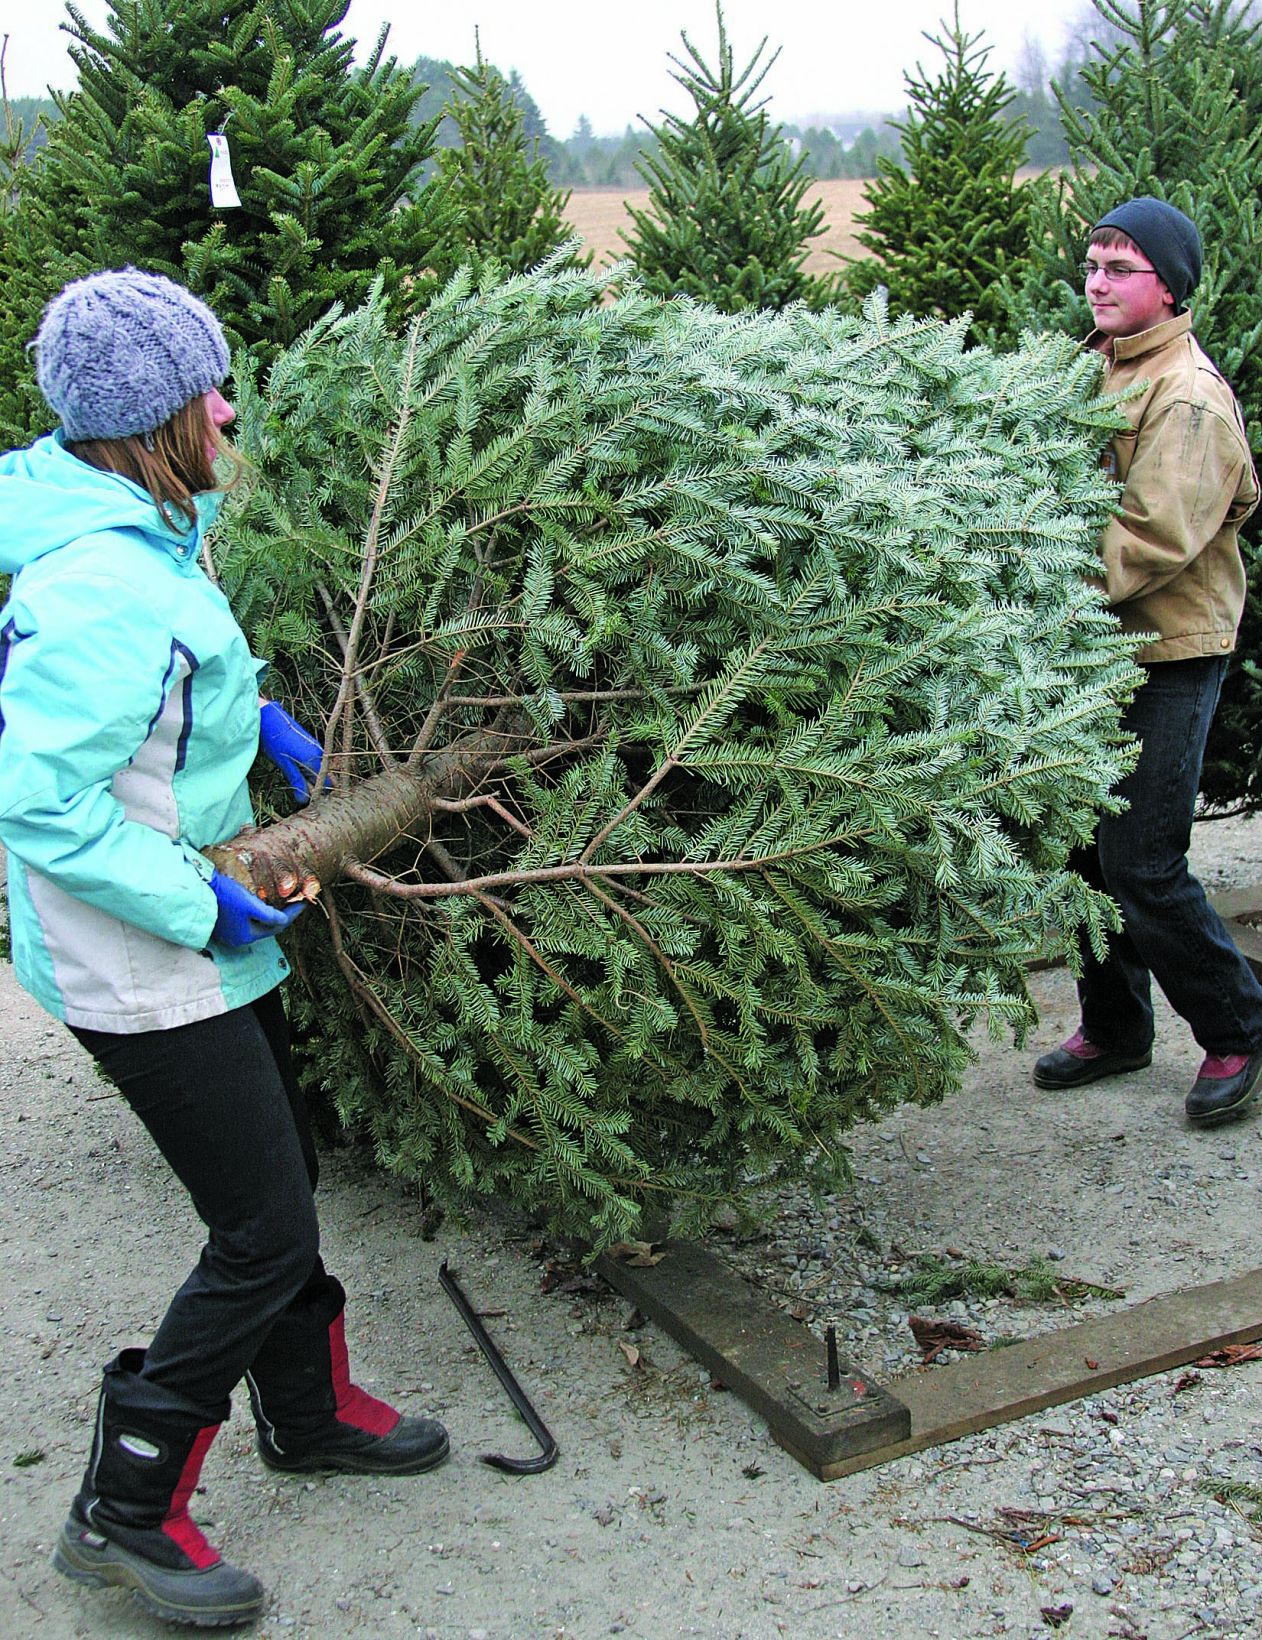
(356,825)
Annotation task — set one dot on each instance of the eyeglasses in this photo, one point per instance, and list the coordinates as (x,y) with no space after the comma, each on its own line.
(1114,272)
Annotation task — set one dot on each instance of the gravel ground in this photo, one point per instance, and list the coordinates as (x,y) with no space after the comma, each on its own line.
(671,1511)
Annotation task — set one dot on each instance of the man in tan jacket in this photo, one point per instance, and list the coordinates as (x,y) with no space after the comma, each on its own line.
(1172,568)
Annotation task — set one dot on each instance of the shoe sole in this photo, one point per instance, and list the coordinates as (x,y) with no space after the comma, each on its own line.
(353,1464)
(93,1573)
(1117,1068)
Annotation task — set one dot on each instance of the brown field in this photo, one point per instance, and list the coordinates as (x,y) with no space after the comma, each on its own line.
(596,214)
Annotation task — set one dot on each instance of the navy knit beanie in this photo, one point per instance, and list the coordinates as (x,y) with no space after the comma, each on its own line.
(1167,238)
(119,353)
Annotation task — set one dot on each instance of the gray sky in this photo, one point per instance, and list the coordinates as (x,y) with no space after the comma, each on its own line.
(611,62)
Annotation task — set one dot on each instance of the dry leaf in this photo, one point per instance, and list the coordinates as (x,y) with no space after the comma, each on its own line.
(633,1355)
(1185,1380)
(1231,1355)
(935,1336)
(562,1276)
(639,1255)
(1091,1365)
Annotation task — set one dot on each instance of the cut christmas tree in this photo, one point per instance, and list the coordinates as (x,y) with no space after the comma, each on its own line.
(710,705)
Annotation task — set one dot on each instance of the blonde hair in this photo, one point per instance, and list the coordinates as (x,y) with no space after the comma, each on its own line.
(172,462)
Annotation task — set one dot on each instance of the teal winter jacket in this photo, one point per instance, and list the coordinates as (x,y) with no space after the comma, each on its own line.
(128,722)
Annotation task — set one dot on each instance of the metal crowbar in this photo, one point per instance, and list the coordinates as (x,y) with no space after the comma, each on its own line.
(516,1394)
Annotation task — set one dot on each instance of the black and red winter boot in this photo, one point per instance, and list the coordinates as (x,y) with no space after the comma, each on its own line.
(130,1527)
(311,1417)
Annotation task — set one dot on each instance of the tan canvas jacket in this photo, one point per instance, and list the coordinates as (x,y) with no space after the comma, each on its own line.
(1171,561)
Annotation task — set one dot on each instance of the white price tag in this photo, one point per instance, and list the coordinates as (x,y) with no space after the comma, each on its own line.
(223,190)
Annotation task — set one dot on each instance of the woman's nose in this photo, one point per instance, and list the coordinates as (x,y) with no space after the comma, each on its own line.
(221,412)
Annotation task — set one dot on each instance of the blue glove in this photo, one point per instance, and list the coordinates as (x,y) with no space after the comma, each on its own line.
(243,917)
(284,742)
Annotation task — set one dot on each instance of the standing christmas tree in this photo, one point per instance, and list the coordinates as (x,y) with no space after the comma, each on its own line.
(948,221)
(727,219)
(323,156)
(24,276)
(495,182)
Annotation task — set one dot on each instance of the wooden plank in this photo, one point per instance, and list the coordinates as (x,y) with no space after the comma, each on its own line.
(998,1385)
(779,1369)
(1245,901)
(774,1364)
(1248,942)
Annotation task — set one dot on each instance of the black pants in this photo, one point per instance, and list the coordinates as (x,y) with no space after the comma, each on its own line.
(1170,931)
(221,1101)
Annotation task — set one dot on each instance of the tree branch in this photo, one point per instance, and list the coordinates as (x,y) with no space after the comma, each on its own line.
(371,540)
(577,871)
(367,704)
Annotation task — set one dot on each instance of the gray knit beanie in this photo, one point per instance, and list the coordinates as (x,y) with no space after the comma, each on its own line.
(119,353)
(1170,241)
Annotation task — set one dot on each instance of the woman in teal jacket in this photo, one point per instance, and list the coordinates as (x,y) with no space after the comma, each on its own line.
(130,716)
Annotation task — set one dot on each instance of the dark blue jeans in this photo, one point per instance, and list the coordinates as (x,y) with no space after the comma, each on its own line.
(221,1101)
(1170,932)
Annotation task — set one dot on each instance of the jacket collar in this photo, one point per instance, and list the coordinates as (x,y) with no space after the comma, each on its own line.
(1147,341)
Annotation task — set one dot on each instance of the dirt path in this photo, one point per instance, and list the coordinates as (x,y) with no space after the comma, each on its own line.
(670,1512)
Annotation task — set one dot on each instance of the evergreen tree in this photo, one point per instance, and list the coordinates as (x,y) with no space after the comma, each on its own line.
(434,80)
(727,219)
(533,122)
(31,116)
(949,220)
(495,182)
(26,263)
(825,155)
(717,699)
(323,154)
(1170,104)
(1035,105)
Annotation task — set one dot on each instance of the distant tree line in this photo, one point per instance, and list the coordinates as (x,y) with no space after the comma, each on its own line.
(585,160)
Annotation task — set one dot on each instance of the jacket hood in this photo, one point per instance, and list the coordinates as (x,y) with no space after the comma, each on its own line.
(49,498)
